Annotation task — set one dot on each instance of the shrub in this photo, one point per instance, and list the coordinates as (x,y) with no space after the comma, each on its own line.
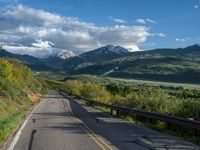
(96,91)
(189,108)
(73,86)
(147,98)
(151,99)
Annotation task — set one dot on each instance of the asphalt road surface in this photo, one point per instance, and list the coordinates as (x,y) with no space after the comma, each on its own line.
(58,123)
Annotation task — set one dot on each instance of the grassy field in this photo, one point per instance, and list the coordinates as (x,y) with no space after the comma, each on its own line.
(154,83)
(94,78)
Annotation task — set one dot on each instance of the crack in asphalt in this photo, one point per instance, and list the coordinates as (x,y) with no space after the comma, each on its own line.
(31,139)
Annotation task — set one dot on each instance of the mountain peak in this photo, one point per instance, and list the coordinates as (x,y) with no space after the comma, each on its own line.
(195,46)
(65,54)
(114,49)
(109,46)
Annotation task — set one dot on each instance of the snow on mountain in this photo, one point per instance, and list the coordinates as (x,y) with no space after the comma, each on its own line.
(65,54)
(115,49)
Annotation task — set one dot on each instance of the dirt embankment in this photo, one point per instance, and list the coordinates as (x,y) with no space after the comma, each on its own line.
(34,97)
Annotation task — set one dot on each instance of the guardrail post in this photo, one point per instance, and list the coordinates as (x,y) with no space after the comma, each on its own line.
(89,103)
(135,117)
(111,111)
(117,113)
(151,120)
(169,125)
(195,134)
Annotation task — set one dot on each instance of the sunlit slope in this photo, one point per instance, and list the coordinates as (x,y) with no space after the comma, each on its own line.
(19,90)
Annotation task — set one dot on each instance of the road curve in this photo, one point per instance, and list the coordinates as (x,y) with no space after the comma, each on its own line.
(58,123)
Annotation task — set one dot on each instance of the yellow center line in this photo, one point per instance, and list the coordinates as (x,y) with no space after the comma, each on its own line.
(95,137)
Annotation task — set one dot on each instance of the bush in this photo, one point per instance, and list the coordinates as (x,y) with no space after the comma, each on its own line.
(150,99)
(73,87)
(189,109)
(118,100)
(119,89)
(96,91)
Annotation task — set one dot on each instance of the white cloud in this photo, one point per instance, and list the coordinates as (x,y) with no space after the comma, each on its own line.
(151,21)
(43,44)
(28,50)
(182,39)
(145,21)
(117,20)
(157,34)
(38,33)
(161,34)
(27,14)
(196,6)
(142,21)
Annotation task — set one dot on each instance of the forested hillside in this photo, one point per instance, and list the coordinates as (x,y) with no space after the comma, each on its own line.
(19,90)
(169,65)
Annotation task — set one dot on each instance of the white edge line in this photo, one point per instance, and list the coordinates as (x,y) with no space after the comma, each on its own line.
(16,138)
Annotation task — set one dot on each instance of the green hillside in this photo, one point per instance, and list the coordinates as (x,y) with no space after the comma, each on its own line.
(168,65)
(19,90)
(174,65)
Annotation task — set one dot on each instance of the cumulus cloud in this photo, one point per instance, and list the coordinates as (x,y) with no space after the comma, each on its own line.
(142,21)
(43,44)
(196,6)
(157,34)
(182,39)
(31,31)
(117,20)
(151,21)
(145,21)
(31,50)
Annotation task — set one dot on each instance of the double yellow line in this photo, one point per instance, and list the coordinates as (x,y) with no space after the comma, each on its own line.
(99,141)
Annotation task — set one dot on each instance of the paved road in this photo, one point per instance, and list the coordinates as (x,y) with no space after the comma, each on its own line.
(58,123)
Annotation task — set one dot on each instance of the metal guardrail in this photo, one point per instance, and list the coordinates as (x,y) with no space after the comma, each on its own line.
(170,120)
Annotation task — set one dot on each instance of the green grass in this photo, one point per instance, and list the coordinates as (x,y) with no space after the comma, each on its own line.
(9,123)
(146,82)
(93,78)
(51,75)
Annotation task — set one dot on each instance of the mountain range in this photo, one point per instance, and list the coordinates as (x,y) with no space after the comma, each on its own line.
(174,65)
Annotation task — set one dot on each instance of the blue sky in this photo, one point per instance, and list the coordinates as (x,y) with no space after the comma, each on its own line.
(134,24)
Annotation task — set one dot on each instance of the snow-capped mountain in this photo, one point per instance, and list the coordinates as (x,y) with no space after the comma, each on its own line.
(65,54)
(105,53)
(111,49)
(115,49)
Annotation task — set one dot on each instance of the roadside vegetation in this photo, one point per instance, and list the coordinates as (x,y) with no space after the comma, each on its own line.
(19,90)
(179,102)
(175,101)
